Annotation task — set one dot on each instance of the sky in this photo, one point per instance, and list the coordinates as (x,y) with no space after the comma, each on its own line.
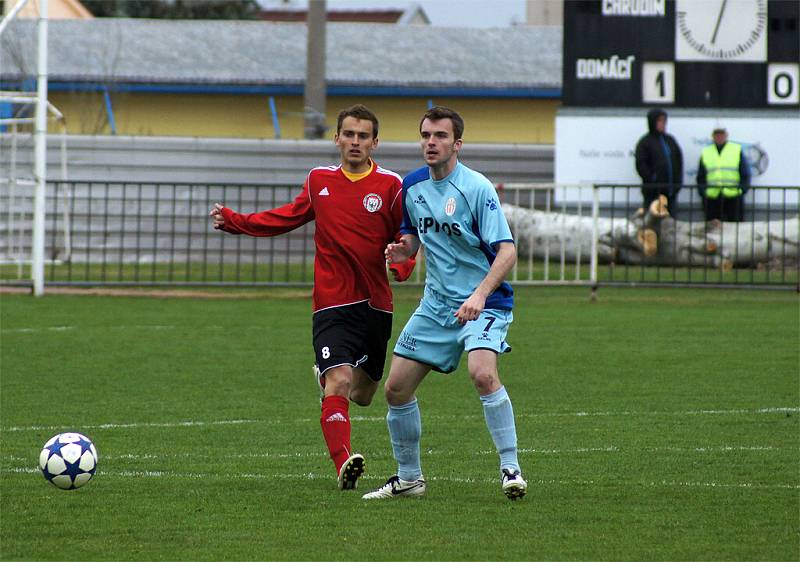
(446,13)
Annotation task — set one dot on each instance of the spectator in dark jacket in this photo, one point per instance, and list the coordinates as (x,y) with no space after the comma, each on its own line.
(659,162)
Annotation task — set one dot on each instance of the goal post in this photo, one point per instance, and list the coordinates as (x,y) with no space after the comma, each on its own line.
(12,14)
(40,143)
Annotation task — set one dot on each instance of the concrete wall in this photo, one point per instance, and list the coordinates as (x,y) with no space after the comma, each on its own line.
(203,160)
(132,219)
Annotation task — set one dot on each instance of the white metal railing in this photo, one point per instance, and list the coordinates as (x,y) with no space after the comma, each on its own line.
(11,14)
(159,233)
(555,226)
(21,185)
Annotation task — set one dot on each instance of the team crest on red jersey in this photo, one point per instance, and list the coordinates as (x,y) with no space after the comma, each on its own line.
(372,202)
(450,207)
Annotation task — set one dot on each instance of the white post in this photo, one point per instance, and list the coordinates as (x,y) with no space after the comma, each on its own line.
(595,234)
(67,194)
(40,147)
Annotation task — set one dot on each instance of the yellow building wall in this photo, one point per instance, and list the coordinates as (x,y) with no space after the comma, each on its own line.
(249,116)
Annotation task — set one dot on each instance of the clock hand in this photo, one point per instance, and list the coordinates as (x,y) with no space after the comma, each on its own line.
(719,19)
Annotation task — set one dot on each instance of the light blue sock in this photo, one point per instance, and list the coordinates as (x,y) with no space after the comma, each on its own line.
(405,429)
(500,420)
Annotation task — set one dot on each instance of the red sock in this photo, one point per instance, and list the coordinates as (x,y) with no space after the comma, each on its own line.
(335,422)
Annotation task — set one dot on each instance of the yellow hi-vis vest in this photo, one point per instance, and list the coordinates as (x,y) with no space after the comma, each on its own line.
(722,170)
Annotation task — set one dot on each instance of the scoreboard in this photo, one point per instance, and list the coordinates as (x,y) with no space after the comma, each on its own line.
(682,53)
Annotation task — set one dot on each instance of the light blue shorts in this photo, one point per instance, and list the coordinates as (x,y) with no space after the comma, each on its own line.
(434,337)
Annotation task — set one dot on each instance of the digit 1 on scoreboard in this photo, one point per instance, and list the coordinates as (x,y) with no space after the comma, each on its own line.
(658,82)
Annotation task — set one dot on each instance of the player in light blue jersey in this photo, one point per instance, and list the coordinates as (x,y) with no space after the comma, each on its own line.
(454,213)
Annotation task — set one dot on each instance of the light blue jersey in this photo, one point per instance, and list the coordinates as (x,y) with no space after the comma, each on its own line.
(460,222)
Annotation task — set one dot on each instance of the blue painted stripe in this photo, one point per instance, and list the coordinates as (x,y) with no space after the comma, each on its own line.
(276,125)
(297,89)
(453,92)
(112,122)
(5,112)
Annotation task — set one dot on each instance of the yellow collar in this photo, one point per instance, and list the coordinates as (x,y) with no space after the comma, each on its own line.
(361,176)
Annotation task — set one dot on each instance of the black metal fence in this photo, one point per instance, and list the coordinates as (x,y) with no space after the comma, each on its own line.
(115,233)
(118,233)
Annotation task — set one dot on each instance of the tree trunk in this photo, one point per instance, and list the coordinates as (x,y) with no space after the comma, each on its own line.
(652,237)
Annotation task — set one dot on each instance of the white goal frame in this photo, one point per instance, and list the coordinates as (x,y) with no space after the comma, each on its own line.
(13,178)
(40,143)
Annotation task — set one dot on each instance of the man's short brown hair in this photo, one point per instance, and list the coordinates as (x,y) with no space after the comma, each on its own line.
(441,112)
(359,112)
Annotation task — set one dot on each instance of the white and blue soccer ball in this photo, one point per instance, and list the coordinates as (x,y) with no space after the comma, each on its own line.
(68,460)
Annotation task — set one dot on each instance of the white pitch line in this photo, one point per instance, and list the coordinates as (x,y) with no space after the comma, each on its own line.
(382,419)
(615,449)
(441,453)
(716,449)
(66,328)
(35,330)
(131,327)
(190,423)
(446,452)
(327,476)
(773,410)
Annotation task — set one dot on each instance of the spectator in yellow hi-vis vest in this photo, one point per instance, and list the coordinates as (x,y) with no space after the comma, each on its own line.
(723,177)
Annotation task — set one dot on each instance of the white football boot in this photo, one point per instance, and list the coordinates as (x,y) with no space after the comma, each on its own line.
(514,487)
(397,488)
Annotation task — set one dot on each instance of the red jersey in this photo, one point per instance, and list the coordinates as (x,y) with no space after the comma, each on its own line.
(355,221)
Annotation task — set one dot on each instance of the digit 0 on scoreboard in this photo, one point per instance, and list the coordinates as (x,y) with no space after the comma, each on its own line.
(782,84)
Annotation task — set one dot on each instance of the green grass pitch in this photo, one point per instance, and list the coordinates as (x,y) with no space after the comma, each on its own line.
(653,425)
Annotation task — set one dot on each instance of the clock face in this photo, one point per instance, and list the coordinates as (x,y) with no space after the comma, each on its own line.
(721,30)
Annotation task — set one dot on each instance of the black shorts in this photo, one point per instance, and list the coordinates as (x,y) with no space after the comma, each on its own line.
(355,335)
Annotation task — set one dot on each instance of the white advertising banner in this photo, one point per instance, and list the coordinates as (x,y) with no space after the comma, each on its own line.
(600,149)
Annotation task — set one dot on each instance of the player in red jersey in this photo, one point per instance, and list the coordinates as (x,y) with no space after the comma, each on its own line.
(358,209)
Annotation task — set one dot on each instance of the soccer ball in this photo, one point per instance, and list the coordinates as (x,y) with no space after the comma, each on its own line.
(68,460)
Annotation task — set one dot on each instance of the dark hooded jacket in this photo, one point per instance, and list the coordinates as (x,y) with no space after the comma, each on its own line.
(658,157)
